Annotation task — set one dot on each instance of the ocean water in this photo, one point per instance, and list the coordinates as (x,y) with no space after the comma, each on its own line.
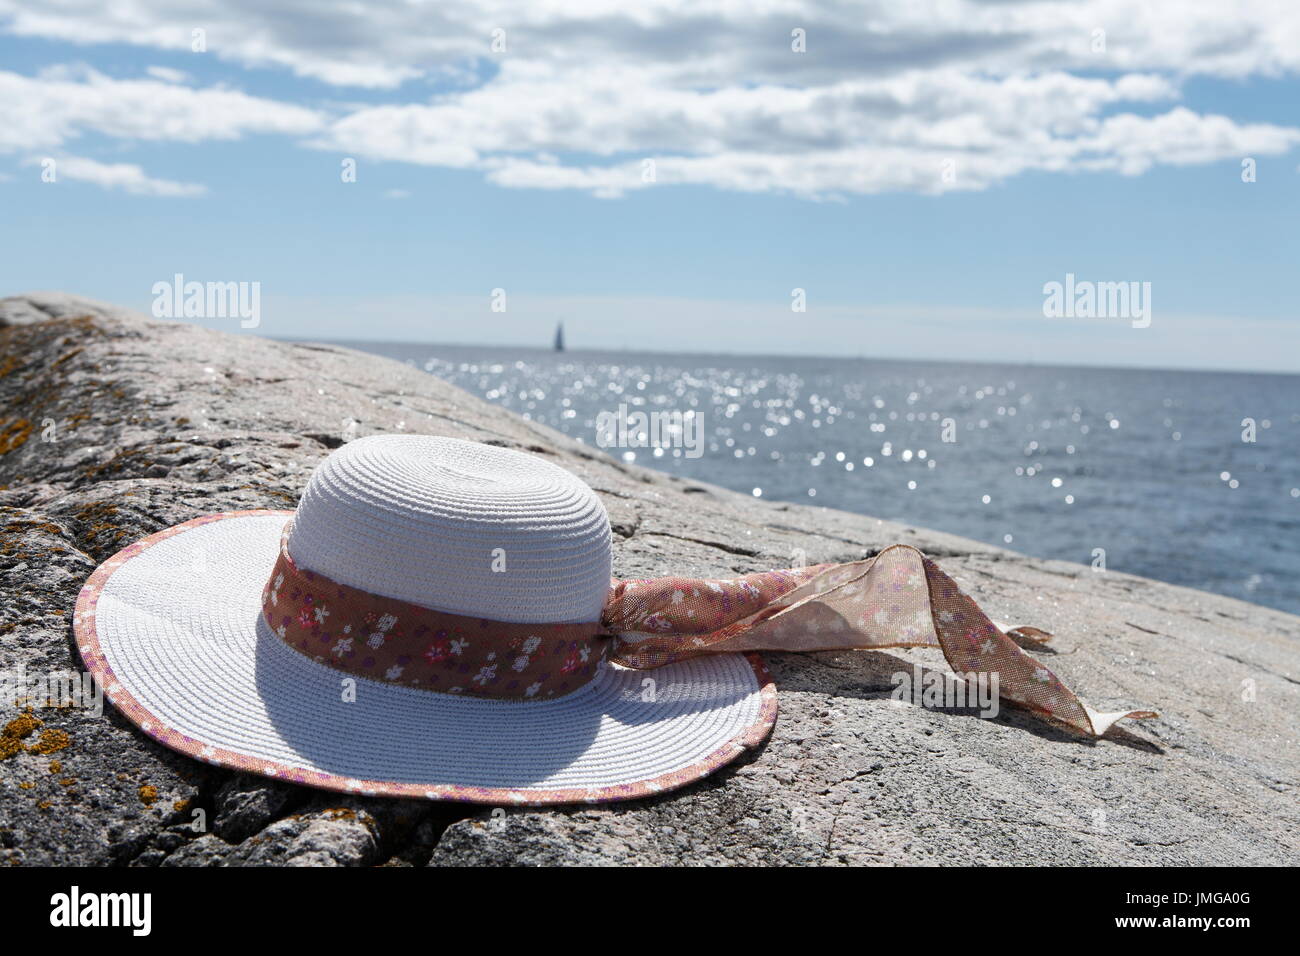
(1150,467)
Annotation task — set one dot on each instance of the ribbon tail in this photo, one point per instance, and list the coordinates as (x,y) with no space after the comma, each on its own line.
(1102,722)
(1035,634)
(973,643)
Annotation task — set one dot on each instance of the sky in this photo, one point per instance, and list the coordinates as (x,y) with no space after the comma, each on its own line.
(876,179)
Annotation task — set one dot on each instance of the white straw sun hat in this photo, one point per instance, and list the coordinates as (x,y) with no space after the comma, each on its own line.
(174,628)
(437,619)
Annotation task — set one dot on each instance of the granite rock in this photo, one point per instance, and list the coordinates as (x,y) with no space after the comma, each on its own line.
(113,426)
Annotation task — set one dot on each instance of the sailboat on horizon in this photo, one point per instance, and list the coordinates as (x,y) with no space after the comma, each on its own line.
(559,337)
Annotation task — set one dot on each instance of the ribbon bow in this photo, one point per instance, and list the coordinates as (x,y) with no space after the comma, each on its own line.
(899,598)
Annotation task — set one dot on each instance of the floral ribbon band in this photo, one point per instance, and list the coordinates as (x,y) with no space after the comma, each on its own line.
(898,598)
(388,640)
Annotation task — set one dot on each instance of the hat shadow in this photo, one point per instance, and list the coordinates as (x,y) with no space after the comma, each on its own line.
(356,727)
(872,675)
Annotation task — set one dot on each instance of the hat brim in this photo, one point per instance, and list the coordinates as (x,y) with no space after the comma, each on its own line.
(172,629)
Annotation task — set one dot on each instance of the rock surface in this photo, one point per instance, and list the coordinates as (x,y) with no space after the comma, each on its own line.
(113,426)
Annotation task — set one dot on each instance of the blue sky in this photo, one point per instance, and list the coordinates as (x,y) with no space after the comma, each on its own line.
(775,171)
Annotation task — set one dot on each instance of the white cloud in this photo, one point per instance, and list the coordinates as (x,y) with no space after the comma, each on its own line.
(922,96)
(62,103)
(386,42)
(124,176)
(921,131)
(167,74)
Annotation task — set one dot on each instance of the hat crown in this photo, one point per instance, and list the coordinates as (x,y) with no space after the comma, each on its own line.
(456,526)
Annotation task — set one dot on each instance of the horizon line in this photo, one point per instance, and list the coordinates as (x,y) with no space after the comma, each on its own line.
(803,355)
